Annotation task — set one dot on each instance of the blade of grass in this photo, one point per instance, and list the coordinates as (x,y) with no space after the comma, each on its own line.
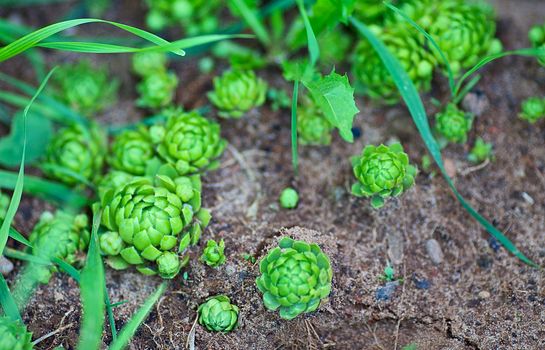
(67,268)
(313,47)
(18,188)
(35,38)
(92,293)
(418,113)
(8,303)
(467,88)
(45,189)
(253,21)
(19,255)
(451,81)
(110,311)
(16,235)
(22,3)
(294,156)
(140,316)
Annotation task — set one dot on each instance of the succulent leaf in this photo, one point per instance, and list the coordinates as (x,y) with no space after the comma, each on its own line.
(14,335)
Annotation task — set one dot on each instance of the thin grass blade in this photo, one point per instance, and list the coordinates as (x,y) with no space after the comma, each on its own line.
(140,316)
(294,153)
(313,47)
(251,18)
(418,113)
(8,303)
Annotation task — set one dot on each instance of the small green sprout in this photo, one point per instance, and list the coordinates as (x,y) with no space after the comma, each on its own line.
(14,335)
(85,88)
(388,274)
(533,109)
(213,254)
(426,163)
(75,154)
(131,150)
(481,151)
(237,92)
(453,124)
(289,198)
(189,142)
(157,90)
(248,257)
(411,346)
(217,314)
(382,172)
(537,38)
(295,277)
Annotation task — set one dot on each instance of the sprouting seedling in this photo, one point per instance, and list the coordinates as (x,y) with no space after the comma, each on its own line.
(249,257)
(388,274)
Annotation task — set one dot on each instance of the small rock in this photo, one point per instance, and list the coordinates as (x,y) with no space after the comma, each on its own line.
(528,198)
(356,132)
(384,293)
(484,294)
(450,167)
(476,103)
(421,283)
(230,270)
(395,246)
(494,244)
(484,261)
(434,251)
(6,266)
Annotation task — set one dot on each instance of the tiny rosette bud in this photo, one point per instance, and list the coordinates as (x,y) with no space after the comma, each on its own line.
(217,314)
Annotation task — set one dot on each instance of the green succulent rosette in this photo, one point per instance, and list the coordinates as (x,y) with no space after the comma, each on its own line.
(76,154)
(312,126)
(4,204)
(194,16)
(453,124)
(113,181)
(14,335)
(481,151)
(217,314)
(295,277)
(213,254)
(131,151)
(533,109)
(237,92)
(537,38)
(382,172)
(157,90)
(190,142)
(152,223)
(61,235)
(85,88)
(410,49)
(148,63)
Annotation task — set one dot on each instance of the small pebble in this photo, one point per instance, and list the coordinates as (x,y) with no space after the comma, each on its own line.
(476,103)
(384,293)
(421,283)
(528,198)
(494,244)
(450,167)
(434,251)
(484,294)
(6,266)
(484,261)
(356,132)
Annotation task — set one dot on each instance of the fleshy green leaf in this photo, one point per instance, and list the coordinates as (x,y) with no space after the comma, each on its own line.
(335,98)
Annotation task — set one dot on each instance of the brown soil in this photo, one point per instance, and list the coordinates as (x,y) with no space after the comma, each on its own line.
(477,298)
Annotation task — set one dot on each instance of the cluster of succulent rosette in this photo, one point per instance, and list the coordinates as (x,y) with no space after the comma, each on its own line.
(453,124)
(158,85)
(533,110)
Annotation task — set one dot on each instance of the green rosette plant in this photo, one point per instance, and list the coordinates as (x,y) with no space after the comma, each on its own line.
(295,277)
(194,16)
(289,198)
(410,49)
(113,181)
(14,335)
(157,90)
(237,92)
(85,88)
(453,124)
(131,151)
(382,172)
(537,38)
(481,151)
(465,33)
(152,223)
(312,126)
(217,314)
(190,142)
(76,154)
(213,254)
(148,63)
(61,235)
(533,109)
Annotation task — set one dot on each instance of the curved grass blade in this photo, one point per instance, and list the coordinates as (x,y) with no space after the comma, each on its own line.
(92,291)
(140,316)
(8,303)
(313,47)
(418,113)
(16,235)
(19,255)
(253,21)
(35,38)
(48,190)
(451,82)
(294,156)
(528,52)
(67,268)
(18,188)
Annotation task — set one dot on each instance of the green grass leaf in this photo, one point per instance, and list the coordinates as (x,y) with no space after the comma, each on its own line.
(16,235)
(252,20)
(8,303)
(313,47)
(92,293)
(18,188)
(418,113)
(140,316)
(35,38)
(335,98)
(294,153)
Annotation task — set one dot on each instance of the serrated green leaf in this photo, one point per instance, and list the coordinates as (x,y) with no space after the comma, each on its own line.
(335,98)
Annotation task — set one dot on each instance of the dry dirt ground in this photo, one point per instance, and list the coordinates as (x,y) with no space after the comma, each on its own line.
(478,297)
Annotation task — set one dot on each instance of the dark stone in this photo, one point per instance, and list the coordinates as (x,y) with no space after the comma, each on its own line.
(384,293)
(421,283)
(484,261)
(356,131)
(494,244)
